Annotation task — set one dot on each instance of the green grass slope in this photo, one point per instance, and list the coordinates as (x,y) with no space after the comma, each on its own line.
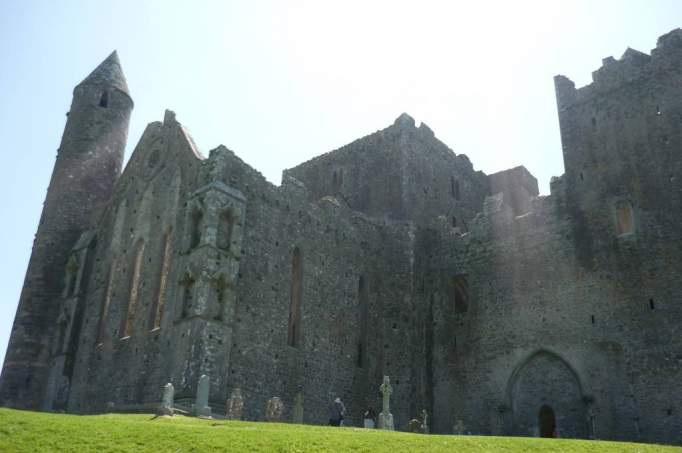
(22,431)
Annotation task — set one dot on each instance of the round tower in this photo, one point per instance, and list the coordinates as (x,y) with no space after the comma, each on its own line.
(87,167)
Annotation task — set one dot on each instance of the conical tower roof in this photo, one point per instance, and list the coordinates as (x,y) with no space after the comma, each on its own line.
(108,73)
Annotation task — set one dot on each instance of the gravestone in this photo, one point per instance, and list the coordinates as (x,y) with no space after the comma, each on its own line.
(201,406)
(166,407)
(385,417)
(459,428)
(297,415)
(235,405)
(274,409)
(419,426)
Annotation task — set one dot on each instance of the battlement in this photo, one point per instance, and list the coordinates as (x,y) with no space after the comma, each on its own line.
(614,73)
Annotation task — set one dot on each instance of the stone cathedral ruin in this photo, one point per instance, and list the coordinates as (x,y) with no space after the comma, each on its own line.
(497,310)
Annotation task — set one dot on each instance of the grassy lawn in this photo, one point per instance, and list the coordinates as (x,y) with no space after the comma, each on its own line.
(23,431)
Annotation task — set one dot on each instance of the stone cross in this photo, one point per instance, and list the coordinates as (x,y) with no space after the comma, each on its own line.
(385,417)
(386,391)
(235,404)
(201,406)
(425,424)
(274,409)
(297,416)
(166,407)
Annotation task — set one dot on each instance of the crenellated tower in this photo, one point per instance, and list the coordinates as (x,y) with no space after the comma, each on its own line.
(87,167)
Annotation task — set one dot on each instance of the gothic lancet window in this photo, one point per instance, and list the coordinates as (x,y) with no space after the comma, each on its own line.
(160,301)
(108,294)
(294,331)
(126,328)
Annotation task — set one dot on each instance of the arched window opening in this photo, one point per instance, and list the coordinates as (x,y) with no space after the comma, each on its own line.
(460,292)
(225,225)
(624,218)
(294,331)
(364,310)
(187,294)
(160,301)
(454,222)
(104,99)
(134,290)
(197,227)
(108,294)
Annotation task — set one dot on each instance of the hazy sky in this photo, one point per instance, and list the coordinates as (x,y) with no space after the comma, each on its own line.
(280,82)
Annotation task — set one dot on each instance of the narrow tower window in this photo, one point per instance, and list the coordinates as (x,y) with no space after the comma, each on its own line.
(160,301)
(104,99)
(624,219)
(294,332)
(220,286)
(197,226)
(187,294)
(134,290)
(460,292)
(454,188)
(337,180)
(225,230)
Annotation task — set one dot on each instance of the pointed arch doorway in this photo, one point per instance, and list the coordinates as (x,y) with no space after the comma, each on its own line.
(547,421)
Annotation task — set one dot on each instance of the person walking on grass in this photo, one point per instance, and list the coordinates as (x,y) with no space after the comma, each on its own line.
(337,412)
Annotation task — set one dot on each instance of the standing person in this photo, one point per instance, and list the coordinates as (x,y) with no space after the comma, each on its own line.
(337,411)
(370,418)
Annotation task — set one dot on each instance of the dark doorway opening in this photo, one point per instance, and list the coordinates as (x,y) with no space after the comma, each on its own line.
(547,422)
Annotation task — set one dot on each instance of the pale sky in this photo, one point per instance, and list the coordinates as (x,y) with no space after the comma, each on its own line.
(280,82)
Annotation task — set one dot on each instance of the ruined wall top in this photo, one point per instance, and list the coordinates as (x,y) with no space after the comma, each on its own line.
(632,66)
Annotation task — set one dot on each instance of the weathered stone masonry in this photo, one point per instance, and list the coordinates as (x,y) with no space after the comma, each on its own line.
(495,309)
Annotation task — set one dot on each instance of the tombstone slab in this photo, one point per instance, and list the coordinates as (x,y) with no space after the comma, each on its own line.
(201,407)
(166,407)
(459,428)
(235,405)
(297,412)
(274,409)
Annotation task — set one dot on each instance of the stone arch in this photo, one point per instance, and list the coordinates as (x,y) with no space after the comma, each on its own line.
(545,379)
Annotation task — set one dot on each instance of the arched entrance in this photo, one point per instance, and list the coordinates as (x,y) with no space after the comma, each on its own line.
(547,422)
(546,398)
